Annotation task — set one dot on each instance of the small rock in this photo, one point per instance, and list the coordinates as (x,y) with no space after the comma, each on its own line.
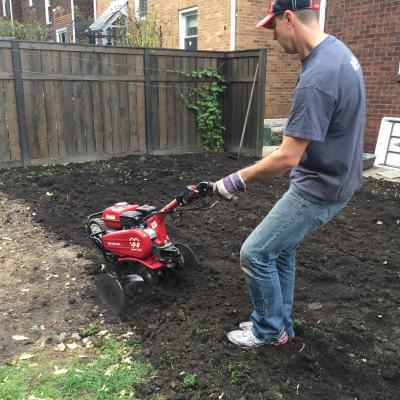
(72,300)
(146,352)
(173,384)
(79,255)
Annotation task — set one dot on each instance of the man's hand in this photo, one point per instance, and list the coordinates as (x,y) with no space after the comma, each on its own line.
(232,183)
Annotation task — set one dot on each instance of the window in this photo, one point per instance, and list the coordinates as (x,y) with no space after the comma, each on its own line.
(141,8)
(61,35)
(47,11)
(4,9)
(188,29)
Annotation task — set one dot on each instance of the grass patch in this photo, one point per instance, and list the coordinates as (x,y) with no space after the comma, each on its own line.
(189,381)
(109,372)
(237,372)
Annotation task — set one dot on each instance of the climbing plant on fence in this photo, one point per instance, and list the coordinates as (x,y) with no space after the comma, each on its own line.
(204,101)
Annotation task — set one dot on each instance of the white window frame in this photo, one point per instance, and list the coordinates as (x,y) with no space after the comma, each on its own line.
(137,8)
(4,9)
(30,3)
(62,30)
(46,11)
(322,13)
(182,24)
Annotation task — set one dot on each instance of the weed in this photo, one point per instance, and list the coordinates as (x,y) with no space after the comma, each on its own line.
(237,372)
(90,330)
(189,381)
(356,357)
(168,359)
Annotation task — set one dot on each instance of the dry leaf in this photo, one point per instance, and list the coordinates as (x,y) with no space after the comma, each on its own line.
(26,356)
(111,369)
(20,337)
(60,347)
(315,306)
(61,371)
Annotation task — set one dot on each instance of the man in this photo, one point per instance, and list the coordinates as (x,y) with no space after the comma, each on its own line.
(322,146)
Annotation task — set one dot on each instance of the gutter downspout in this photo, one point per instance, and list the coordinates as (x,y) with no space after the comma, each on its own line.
(12,17)
(73,21)
(233,26)
(95,9)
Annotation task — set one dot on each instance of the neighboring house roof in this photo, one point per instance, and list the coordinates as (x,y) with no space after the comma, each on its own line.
(113,12)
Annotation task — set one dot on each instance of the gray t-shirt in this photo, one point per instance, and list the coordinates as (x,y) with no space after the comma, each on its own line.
(328,108)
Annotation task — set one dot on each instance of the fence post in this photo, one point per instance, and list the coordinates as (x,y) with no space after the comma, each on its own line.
(261,100)
(147,97)
(20,102)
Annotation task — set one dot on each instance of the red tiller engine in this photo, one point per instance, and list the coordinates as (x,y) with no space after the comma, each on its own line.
(134,241)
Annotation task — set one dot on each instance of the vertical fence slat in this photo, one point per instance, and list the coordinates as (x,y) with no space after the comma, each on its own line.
(5,154)
(124,120)
(8,122)
(133,120)
(78,105)
(49,101)
(59,107)
(97,105)
(13,126)
(141,103)
(105,94)
(40,107)
(68,106)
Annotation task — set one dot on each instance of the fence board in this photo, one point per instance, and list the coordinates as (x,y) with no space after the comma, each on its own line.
(12,121)
(4,142)
(68,107)
(178,106)
(132,118)
(49,108)
(170,105)
(82,102)
(141,118)
(124,117)
(97,106)
(59,108)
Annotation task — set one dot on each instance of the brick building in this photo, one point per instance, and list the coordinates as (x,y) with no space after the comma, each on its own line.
(372,31)
(65,20)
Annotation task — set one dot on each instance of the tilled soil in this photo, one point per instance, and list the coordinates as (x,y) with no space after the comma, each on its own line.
(347,300)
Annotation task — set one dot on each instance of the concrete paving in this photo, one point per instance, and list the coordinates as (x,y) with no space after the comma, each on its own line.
(379,172)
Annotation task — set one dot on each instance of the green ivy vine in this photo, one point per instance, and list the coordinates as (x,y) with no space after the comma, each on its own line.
(204,101)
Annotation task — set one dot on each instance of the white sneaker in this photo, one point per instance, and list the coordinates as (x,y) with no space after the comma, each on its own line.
(246,325)
(247,339)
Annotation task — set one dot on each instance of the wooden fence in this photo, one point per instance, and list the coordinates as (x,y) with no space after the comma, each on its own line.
(67,103)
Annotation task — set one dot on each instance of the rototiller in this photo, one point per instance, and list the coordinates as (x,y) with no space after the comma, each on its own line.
(134,241)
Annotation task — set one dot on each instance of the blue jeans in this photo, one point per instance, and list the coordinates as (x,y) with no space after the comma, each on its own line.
(268,259)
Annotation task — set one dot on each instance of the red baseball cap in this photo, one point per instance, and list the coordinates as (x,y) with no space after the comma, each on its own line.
(280,6)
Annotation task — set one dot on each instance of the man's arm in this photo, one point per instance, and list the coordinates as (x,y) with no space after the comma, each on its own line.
(285,158)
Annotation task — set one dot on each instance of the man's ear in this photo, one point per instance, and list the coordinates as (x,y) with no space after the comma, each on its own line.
(290,17)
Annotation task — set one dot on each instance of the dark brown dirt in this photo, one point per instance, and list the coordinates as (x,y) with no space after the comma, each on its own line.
(347,300)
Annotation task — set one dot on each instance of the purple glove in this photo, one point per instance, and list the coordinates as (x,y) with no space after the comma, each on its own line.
(229,185)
